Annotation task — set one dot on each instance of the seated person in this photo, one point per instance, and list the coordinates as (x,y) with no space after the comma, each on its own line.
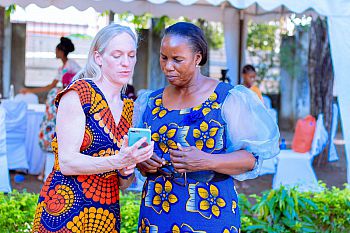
(249,76)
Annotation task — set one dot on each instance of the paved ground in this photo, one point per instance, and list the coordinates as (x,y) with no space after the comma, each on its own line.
(333,174)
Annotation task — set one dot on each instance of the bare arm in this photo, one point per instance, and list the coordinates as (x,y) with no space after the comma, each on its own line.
(70,127)
(39,89)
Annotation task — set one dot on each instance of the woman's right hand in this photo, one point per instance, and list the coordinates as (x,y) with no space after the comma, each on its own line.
(151,165)
(132,155)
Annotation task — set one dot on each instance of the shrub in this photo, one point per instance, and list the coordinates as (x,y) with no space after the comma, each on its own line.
(17,211)
(279,210)
(333,210)
(285,210)
(129,211)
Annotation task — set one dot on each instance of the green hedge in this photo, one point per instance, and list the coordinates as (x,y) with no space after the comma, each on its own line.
(274,211)
(17,211)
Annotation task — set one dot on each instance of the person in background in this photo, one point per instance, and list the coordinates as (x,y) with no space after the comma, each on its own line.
(207,134)
(249,79)
(130,92)
(65,72)
(92,157)
(64,76)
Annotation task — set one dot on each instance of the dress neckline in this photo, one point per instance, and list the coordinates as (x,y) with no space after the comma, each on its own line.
(116,124)
(189,108)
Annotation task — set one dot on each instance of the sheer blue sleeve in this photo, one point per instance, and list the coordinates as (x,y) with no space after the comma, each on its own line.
(249,127)
(139,109)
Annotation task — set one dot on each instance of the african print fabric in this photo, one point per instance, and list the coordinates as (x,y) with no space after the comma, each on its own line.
(86,203)
(168,205)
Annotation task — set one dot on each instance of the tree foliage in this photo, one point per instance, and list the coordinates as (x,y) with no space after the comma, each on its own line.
(213,31)
(261,44)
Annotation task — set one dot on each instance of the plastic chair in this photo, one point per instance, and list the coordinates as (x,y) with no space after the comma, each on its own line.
(5,185)
(29,98)
(295,169)
(16,126)
(49,164)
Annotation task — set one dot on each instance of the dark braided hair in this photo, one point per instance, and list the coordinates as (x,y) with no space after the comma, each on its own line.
(65,45)
(194,35)
(248,68)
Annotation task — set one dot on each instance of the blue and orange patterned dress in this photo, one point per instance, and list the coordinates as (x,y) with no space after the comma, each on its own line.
(86,203)
(203,207)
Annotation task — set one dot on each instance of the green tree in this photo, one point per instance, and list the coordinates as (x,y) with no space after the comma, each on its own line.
(213,31)
(261,43)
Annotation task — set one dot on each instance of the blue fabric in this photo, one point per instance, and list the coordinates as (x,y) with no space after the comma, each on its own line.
(249,127)
(4,171)
(16,127)
(332,153)
(197,207)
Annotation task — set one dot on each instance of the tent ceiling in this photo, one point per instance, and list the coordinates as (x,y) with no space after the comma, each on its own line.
(209,9)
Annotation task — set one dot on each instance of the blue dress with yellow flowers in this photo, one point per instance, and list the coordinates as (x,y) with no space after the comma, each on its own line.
(169,205)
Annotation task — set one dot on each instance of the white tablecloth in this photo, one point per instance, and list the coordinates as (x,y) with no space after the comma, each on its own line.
(36,157)
(295,170)
(5,185)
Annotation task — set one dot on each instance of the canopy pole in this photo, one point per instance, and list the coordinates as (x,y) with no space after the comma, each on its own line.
(240,46)
(338,29)
(232,40)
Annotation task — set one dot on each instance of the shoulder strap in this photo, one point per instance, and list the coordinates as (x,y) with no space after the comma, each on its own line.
(223,90)
(83,88)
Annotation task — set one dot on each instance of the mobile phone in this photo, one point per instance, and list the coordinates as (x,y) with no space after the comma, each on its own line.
(136,134)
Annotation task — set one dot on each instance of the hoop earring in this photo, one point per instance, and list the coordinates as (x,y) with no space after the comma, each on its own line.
(124,89)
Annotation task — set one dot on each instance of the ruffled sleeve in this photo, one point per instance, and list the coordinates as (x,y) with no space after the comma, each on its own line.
(249,127)
(139,109)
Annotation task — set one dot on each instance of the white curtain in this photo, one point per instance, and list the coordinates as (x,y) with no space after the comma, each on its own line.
(339,32)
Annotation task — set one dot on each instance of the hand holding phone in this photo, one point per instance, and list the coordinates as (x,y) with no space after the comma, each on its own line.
(135,134)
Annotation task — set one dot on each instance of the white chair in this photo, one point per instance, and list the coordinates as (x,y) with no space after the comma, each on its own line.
(35,155)
(16,126)
(295,169)
(50,162)
(29,98)
(5,185)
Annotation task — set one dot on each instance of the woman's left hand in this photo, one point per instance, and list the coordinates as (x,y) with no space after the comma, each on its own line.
(189,159)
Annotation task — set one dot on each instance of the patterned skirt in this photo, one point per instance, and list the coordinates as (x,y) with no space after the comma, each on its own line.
(169,206)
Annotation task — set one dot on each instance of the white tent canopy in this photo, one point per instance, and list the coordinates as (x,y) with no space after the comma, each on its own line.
(229,13)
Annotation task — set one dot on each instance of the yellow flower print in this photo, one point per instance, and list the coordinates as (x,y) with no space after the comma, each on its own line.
(210,137)
(160,196)
(166,134)
(159,110)
(184,228)
(231,230)
(205,199)
(146,227)
(165,137)
(209,104)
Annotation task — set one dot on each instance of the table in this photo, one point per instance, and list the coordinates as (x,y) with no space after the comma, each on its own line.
(295,170)
(36,156)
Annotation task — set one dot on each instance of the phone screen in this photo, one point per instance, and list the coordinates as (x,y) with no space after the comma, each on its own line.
(136,134)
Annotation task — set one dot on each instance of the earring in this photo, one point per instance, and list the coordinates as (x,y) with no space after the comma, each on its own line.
(197,65)
(124,88)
